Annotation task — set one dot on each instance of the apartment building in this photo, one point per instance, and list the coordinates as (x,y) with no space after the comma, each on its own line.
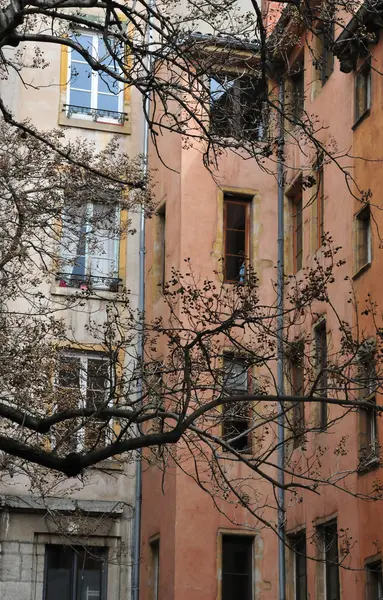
(192,547)
(75,541)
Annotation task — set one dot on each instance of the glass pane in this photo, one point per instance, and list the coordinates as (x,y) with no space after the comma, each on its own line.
(235,242)
(59,560)
(237,568)
(107,84)
(80,76)
(89,574)
(81,99)
(235,215)
(86,41)
(107,102)
(97,374)
(236,374)
(69,372)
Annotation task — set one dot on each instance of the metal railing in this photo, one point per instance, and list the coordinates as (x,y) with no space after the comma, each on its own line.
(88,283)
(96,113)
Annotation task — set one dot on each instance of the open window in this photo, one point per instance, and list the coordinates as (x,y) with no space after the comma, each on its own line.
(236,237)
(237,106)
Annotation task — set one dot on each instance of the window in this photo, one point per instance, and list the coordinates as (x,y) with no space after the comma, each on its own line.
(75,573)
(162,242)
(298,92)
(82,381)
(237,571)
(236,416)
(95,95)
(298,425)
(155,568)
(321,366)
(374,582)
(329,536)
(298,545)
(368,428)
(324,57)
(319,190)
(363,238)
(236,237)
(362,90)
(89,247)
(296,211)
(236,103)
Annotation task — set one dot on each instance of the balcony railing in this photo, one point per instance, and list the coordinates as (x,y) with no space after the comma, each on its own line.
(88,283)
(96,113)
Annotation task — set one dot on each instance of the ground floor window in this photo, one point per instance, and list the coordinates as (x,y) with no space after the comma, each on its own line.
(75,573)
(237,571)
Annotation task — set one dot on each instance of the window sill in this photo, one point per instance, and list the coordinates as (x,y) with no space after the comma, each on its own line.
(94,125)
(361,118)
(360,271)
(369,465)
(56,290)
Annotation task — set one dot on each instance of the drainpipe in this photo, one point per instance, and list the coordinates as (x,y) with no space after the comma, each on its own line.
(136,546)
(280,352)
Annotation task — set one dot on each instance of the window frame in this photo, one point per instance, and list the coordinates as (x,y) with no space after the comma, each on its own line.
(363,75)
(324,530)
(84,356)
(250,560)
(161,215)
(73,570)
(325,54)
(94,109)
(363,231)
(294,541)
(89,280)
(154,546)
(368,447)
(246,201)
(374,566)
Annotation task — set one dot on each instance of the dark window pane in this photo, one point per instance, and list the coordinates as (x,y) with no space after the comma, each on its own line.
(89,574)
(237,567)
(235,215)
(58,584)
(300,567)
(331,557)
(235,242)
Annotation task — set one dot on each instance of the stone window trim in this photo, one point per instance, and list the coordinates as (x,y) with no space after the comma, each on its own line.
(112,544)
(257,554)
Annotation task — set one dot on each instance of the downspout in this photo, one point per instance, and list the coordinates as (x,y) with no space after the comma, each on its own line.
(136,546)
(280,349)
